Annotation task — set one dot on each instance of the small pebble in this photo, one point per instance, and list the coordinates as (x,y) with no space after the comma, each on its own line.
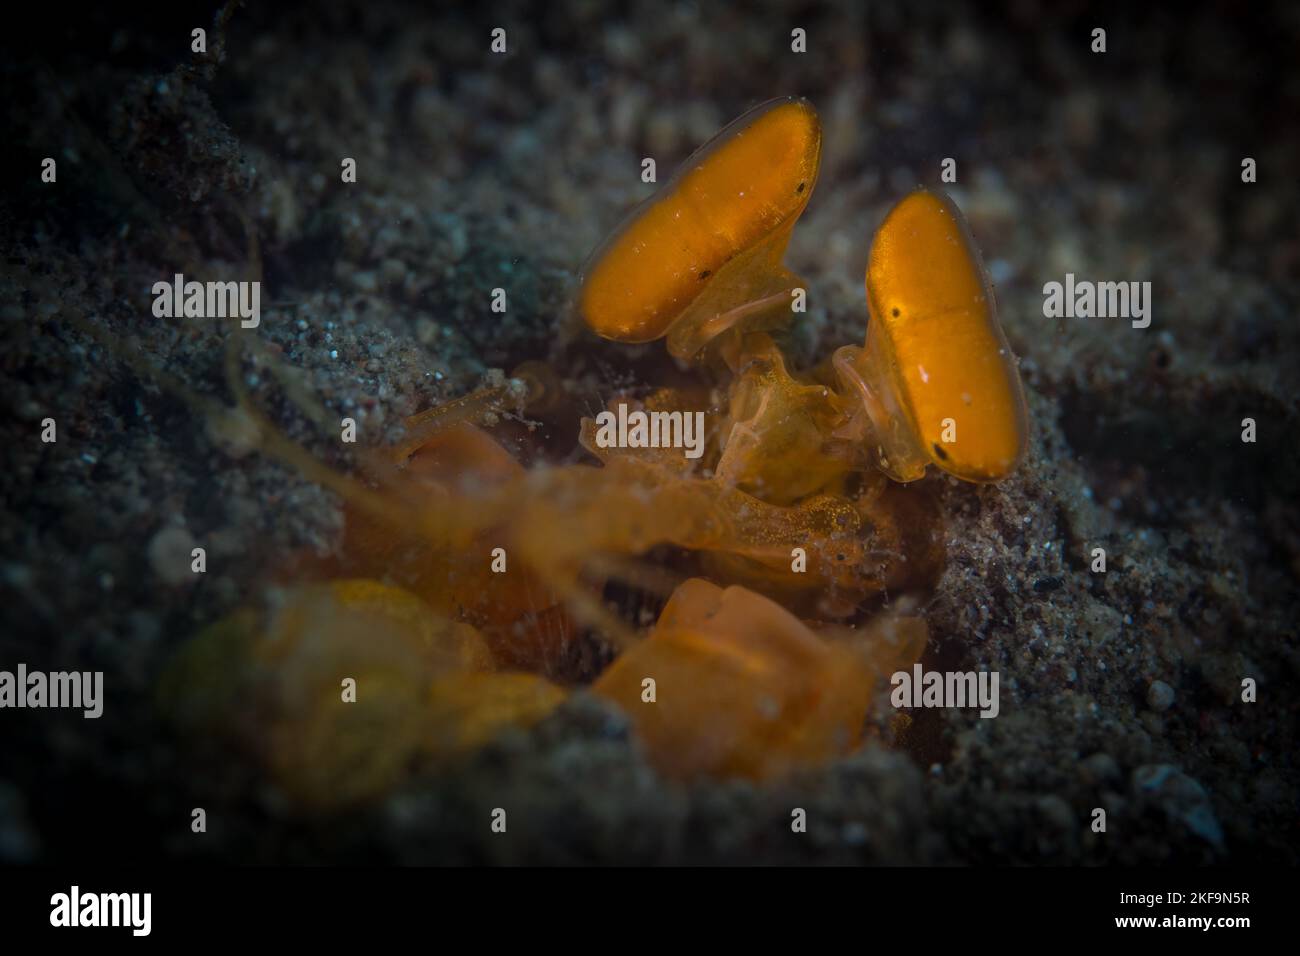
(426,331)
(1101,768)
(1056,811)
(1181,797)
(235,432)
(170,555)
(1160,696)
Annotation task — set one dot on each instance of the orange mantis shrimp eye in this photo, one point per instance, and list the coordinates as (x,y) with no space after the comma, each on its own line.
(937,377)
(720,224)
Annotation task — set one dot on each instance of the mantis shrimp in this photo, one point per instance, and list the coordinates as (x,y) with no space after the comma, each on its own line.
(463,578)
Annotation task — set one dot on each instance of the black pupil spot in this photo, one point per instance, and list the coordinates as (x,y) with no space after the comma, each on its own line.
(705,274)
(896,313)
(801,187)
(943,455)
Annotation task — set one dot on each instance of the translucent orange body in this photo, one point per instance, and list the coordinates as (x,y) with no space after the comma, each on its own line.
(518,614)
(775,447)
(936,377)
(274,682)
(744,519)
(743,688)
(780,479)
(708,246)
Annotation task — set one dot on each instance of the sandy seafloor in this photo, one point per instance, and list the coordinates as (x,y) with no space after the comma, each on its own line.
(477,171)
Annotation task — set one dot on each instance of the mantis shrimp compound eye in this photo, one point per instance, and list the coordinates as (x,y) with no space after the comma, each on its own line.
(704,254)
(937,378)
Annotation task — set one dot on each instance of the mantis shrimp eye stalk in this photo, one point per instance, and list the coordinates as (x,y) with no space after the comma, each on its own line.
(704,254)
(936,379)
